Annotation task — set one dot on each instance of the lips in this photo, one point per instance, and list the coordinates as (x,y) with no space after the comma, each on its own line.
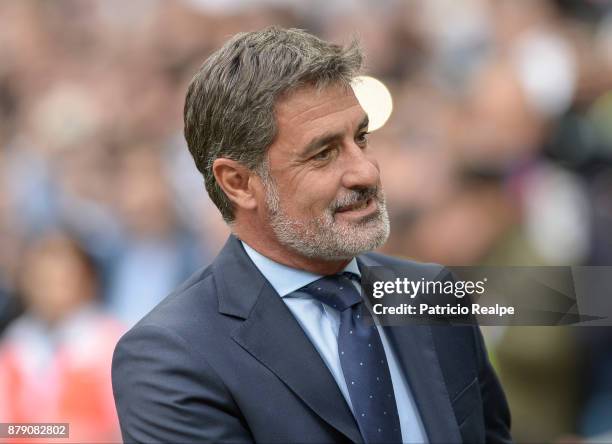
(354,207)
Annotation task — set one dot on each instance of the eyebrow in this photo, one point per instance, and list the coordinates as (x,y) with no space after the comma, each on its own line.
(323,140)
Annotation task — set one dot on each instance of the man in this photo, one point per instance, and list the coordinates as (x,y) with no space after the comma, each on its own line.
(269,344)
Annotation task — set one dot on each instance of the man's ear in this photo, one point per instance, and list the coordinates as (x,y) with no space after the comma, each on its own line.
(235,180)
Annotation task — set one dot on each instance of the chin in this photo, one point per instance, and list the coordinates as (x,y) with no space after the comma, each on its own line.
(343,244)
(329,238)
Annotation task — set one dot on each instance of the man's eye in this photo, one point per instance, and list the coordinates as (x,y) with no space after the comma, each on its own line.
(323,155)
(362,138)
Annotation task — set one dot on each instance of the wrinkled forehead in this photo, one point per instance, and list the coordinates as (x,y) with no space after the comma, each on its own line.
(310,103)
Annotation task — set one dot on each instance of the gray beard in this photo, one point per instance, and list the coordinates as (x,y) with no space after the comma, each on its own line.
(323,237)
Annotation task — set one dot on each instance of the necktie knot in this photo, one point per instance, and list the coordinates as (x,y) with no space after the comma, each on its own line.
(336,291)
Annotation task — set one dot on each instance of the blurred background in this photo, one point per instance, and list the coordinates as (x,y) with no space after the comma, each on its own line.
(498,152)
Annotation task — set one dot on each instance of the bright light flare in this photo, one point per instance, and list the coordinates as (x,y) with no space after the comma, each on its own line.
(375,99)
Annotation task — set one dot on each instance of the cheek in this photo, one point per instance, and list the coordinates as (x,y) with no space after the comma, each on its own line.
(313,197)
(374,161)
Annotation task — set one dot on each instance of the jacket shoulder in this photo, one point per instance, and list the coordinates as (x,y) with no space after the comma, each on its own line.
(189,311)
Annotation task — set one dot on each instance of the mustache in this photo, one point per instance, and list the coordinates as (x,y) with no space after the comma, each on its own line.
(357,196)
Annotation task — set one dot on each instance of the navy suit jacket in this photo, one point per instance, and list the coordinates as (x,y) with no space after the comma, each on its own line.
(222,359)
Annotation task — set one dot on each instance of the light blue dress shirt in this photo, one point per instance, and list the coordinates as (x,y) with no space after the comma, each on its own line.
(322,323)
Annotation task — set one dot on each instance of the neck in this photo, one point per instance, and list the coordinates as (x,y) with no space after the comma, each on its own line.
(267,245)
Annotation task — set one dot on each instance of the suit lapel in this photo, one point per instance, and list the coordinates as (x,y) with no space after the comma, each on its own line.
(415,349)
(271,335)
(274,338)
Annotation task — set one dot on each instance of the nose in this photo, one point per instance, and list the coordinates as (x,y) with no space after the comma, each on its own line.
(361,169)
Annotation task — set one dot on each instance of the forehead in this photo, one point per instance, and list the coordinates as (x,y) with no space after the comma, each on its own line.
(307,109)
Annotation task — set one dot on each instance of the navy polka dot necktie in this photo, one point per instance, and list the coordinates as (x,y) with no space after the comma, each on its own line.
(362,358)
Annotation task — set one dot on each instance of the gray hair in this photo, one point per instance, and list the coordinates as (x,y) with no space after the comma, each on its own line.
(229,109)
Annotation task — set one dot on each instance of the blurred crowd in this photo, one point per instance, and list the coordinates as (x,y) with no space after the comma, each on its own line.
(498,152)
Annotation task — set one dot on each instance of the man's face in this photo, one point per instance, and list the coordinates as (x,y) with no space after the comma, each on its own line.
(323,197)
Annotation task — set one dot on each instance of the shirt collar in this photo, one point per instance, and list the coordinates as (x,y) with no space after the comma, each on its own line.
(285,280)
